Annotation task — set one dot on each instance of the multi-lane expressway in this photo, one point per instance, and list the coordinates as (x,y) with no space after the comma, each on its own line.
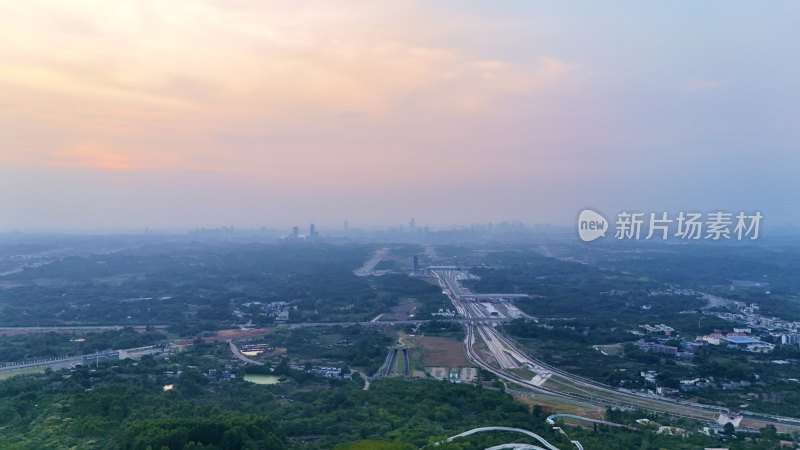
(490,349)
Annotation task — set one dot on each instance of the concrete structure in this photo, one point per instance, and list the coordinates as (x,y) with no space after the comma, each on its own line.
(748,343)
(490,296)
(734,419)
(99,357)
(740,340)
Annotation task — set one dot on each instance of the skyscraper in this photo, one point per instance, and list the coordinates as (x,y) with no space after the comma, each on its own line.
(295,232)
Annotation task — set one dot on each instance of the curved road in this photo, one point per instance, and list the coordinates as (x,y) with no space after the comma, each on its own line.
(238,354)
(513,430)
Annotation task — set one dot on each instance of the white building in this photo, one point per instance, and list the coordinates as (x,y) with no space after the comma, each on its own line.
(790,339)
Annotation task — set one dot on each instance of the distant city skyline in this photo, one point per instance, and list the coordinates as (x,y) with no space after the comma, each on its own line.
(184,114)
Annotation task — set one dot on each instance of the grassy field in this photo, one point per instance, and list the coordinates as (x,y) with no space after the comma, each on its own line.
(557,406)
(12,373)
(610,350)
(523,373)
(401,312)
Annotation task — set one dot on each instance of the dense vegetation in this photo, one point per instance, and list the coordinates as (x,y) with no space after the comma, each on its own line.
(355,346)
(196,287)
(124,407)
(46,345)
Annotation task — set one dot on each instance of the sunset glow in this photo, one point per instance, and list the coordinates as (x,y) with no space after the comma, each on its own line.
(396,106)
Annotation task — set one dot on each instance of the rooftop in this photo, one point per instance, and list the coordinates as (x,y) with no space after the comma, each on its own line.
(741,339)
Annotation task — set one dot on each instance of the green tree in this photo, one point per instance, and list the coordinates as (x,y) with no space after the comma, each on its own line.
(729,429)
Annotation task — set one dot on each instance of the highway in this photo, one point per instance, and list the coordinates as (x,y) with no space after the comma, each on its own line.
(502,356)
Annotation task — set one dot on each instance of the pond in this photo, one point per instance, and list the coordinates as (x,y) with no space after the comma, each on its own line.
(262,379)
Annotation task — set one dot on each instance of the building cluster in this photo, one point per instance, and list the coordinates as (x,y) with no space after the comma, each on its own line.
(649,376)
(779,330)
(444,313)
(655,347)
(331,372)
(790,338)
(312,233)
(661,338)
(671,291)
(740,338)
(226,375)
(750,316)
(658,329)
(278,311)
(325,371)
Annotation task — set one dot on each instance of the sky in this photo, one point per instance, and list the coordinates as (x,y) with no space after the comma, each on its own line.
(128,114)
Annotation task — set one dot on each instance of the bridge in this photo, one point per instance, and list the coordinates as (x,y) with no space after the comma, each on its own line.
(41,362)
(480,296)
(531,434)
(91,358)
(381,323)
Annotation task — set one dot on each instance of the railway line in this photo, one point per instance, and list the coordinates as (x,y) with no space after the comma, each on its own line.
(504,355)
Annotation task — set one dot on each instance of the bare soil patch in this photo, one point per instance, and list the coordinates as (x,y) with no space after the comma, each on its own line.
(442,351)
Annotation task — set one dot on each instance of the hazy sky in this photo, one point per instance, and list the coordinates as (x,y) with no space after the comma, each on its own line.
(138,113)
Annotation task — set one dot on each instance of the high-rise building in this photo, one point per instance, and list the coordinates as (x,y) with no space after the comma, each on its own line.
(412,224)
(790,338)
(416,264)
(312,231)
(296,232)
